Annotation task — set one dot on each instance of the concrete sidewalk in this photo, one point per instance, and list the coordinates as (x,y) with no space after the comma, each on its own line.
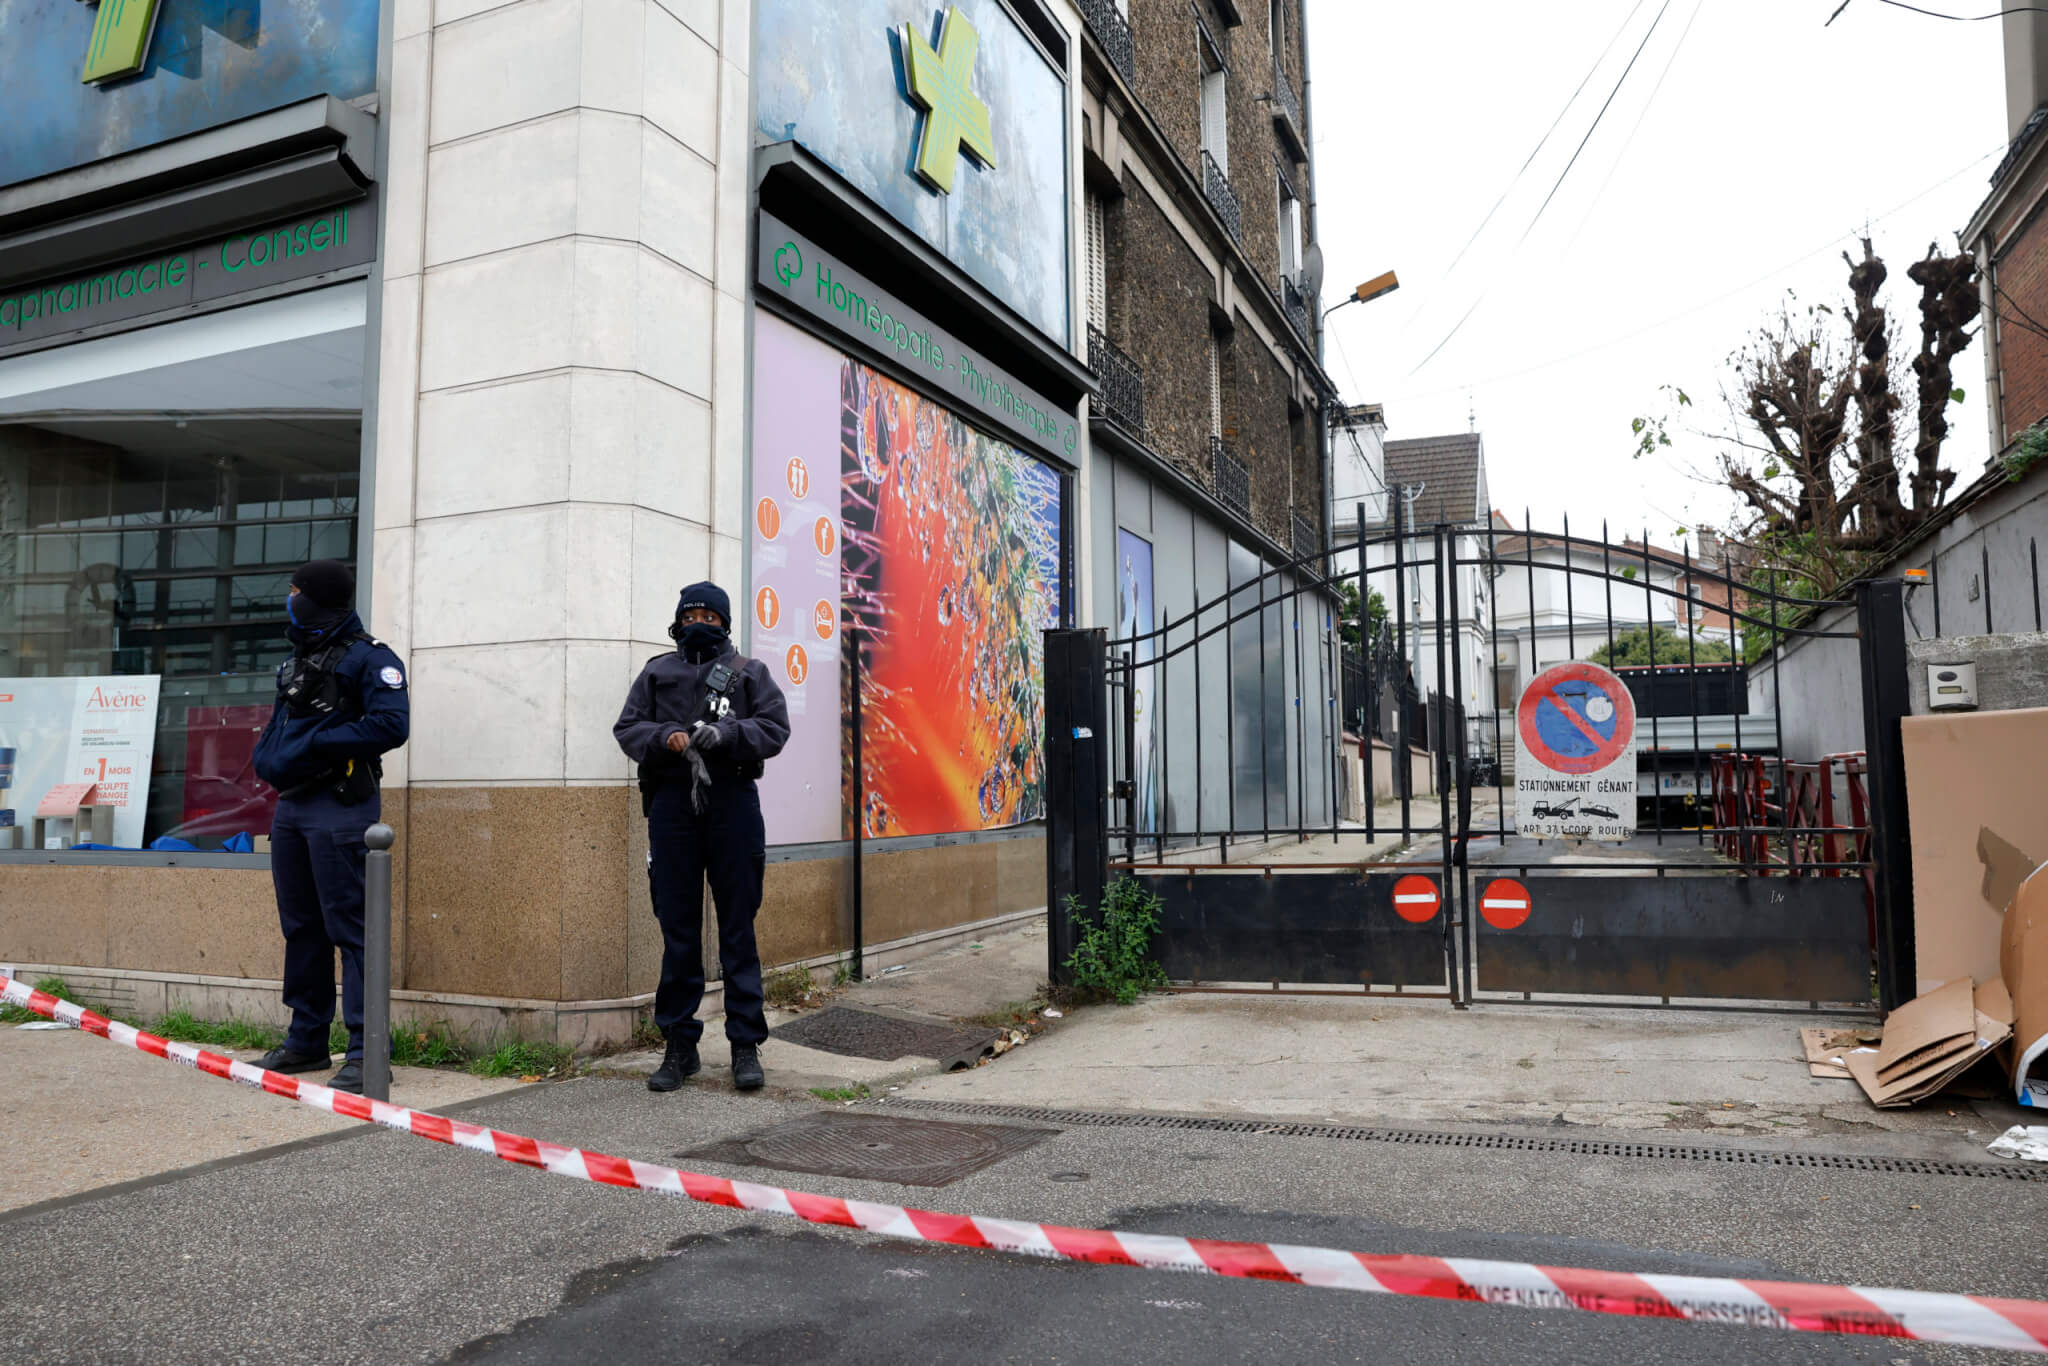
(91,1113)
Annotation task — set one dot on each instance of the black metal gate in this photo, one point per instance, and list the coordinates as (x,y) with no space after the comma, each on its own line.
(1321,798)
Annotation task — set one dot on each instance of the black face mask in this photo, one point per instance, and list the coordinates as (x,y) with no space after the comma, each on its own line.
(310,622)
(699,640)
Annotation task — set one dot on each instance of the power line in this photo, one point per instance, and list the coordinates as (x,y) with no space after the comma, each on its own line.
(1937,14)
(1544,140)
(1596,123)
(1705,304)
(1559,182)
(1641,115)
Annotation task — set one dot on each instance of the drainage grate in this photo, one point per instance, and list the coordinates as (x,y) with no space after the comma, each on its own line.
(855,1033)
(1580,1147)
(867,1147)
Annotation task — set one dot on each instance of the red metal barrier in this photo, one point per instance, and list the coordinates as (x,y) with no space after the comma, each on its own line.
(1745,814)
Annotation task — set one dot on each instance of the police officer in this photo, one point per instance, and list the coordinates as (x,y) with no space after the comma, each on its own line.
(341,705)
(699,722)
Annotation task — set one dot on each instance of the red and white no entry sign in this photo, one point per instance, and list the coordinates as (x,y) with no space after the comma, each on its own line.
(1416,899)
(1505,903)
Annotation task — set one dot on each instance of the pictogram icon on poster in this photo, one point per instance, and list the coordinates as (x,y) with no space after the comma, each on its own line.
(821,619)
(768,519)
(797,664)
(1576,718)
(799,477)
(825,535)
(767,608)
(1416,899)
(1505,903)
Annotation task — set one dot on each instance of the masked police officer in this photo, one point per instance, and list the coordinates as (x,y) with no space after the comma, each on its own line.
(700,721)
(341,705)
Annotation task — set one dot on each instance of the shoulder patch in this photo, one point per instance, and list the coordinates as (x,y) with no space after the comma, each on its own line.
(391,677)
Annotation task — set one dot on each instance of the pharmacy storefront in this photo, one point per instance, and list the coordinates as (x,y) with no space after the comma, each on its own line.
(779,295)
(182,310)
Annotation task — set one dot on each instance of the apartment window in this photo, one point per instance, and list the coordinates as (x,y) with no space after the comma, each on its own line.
(1215,387)
(1506,697)
(1290,228)
(1215,112)
(1098,266)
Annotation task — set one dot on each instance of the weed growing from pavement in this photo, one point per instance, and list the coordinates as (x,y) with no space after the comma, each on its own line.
(524,1059)
(182,1026)
(786,987)
(1113,960)
(53,986)
(857,1091)
(842,972)
(1015,1015)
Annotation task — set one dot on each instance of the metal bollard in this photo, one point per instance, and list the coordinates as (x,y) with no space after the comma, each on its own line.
(377,962)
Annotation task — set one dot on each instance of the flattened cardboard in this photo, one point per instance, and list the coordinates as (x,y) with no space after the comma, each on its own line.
(2023,963)
(1927,1027)
(1966,772)
(1993,1027)
(1823,1046)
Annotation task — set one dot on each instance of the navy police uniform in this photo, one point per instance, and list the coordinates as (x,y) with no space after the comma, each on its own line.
(341,705)
(705,824)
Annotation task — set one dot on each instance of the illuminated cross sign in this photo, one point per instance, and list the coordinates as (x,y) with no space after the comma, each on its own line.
(120,39)
(941,83)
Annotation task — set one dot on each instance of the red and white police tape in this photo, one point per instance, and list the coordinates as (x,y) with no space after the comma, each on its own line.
(2015,1325)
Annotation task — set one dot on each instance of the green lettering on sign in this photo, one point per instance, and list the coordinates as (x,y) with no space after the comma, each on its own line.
(942,84)
(120,39)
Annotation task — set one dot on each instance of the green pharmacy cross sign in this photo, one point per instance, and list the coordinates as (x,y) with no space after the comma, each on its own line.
(120,39)
(941,83)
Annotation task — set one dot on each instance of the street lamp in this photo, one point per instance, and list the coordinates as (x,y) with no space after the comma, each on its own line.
(1372,289)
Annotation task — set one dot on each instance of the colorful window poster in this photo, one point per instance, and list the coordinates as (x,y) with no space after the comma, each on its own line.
(80,730)
(946,546)
(1133,618)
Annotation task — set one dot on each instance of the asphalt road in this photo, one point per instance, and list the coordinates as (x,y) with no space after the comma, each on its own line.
(385,1248)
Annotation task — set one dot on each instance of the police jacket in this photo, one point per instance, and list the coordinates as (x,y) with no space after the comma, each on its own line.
(371,715)
(672,694)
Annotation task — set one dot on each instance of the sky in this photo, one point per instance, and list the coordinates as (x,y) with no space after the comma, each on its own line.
(1747,148)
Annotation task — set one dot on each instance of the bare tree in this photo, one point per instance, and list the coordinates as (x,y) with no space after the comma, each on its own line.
(1822,486)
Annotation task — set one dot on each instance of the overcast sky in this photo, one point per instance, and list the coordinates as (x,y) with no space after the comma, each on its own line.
(1693,208)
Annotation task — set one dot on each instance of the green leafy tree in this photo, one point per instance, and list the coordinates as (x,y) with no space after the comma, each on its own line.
(1634,647)
(1375,611)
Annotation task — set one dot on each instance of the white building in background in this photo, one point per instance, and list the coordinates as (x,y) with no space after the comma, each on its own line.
(1358,476)
(1556,602)
(1440,480)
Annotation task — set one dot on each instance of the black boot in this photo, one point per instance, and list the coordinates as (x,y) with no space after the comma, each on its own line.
(746,1068)
(349,1078)
(680,1061)
(283,1059)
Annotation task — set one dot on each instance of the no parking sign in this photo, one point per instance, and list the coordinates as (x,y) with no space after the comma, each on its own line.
(1575,755)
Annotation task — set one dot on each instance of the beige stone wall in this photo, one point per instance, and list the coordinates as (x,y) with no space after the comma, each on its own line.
(529,894)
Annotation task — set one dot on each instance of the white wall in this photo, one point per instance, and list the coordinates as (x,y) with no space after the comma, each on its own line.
(562,400)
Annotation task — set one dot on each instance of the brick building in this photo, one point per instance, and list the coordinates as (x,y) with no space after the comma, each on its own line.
(2010,240)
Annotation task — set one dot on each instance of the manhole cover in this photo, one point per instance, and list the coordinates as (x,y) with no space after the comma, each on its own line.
(855,1033)
(908,1152)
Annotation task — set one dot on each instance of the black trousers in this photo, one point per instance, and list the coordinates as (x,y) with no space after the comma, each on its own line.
(727,845)
(316,865)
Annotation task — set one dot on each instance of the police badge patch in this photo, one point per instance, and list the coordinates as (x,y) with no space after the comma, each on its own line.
(392,677)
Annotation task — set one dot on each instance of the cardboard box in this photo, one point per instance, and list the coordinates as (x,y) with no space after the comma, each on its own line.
(1824,1049)
(1973,796)
(2023,963)
(1927,1028)
(1922,1070)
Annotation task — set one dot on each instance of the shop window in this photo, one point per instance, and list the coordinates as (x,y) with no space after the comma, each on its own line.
(158,551)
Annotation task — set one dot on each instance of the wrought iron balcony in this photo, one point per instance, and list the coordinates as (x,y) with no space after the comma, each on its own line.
(1113,31)
(1287,115)
(1306,542)
(1297,309)
(1233,480)
(1122,399)
(1222,198)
